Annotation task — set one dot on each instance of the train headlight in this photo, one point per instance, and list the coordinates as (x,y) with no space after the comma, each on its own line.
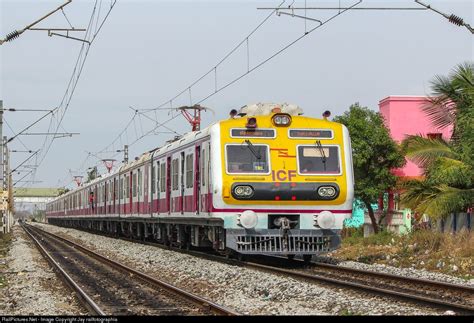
(244,191)
(281,120)
(251,123)
(248,219)
(326,191)
(326,220)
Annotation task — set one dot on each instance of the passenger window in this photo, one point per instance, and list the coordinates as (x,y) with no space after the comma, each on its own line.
(134,185)
(140,189)
(175,173)
(163,178)
(189,171)
(203,167)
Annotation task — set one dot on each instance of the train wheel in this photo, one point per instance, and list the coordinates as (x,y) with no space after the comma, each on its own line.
(228,253)
(291,257)
(307,258)
(241,257)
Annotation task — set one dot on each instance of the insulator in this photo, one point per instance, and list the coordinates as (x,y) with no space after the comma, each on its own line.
(456,20)
(12,35)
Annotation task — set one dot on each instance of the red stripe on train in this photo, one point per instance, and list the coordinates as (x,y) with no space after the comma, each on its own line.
(280,211)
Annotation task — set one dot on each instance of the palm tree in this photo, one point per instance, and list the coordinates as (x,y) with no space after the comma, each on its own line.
(448,165)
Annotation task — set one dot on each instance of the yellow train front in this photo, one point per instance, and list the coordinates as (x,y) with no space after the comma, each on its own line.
(283,182)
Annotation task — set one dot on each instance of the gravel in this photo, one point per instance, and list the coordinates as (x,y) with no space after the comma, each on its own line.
(247,291)
(408,272)
(32,288)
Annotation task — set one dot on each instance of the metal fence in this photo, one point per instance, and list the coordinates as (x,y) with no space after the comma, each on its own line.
(454,223)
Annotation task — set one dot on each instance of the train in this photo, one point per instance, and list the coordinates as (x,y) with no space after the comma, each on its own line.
(266,181)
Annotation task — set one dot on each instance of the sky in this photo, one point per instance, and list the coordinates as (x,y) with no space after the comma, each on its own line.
(149,51)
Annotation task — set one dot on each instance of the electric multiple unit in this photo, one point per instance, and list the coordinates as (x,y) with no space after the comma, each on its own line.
(269,181)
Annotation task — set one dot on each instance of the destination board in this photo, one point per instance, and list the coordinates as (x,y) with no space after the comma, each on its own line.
(261,133)
(301,133)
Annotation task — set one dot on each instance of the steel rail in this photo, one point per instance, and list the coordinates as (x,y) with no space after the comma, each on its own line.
(392,293)
(82,296)
(393,276)
(314,278)
(211,306)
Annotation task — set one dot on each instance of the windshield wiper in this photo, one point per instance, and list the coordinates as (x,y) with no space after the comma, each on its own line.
(252,149)
(321,150)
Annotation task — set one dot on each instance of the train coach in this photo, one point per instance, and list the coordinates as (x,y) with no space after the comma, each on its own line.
(267,181)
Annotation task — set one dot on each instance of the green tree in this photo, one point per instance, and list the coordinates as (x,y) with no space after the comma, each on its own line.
(92,174)
(448,165)
(374,155)
(63,190)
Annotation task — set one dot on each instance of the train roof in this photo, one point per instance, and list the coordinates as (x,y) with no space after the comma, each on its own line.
(138,161)
(254,109)
(261,109)
(183,140)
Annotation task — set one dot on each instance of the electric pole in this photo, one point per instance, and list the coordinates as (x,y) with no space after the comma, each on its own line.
(4,192)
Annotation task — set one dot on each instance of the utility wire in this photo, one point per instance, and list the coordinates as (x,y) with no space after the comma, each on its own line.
(187,89)
(16,33)
(73,81)
(451,18)
(249,70)
(279,52)
(14,134)
(214,68)
(75,78)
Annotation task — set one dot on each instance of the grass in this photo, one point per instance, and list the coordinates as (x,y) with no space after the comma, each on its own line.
(347,312)
(5,241)
(422,249)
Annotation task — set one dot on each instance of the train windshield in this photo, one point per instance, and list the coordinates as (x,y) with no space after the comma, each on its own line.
(318,159)
(247,158)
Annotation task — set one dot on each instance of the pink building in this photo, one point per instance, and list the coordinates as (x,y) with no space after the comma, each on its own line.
(404,116)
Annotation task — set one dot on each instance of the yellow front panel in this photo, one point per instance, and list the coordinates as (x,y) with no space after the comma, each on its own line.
(283,160)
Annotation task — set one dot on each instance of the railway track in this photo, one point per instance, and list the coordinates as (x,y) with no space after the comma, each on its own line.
(448,295)
(106,287)
(433,293)
(437,294)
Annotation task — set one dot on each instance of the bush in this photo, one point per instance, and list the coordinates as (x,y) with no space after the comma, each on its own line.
(383,237)
(352,235)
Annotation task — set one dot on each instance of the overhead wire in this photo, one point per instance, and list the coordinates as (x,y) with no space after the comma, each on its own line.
(187,89)
(14,134)
(249,70)
(279,52)
(74,79)
(214,69)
